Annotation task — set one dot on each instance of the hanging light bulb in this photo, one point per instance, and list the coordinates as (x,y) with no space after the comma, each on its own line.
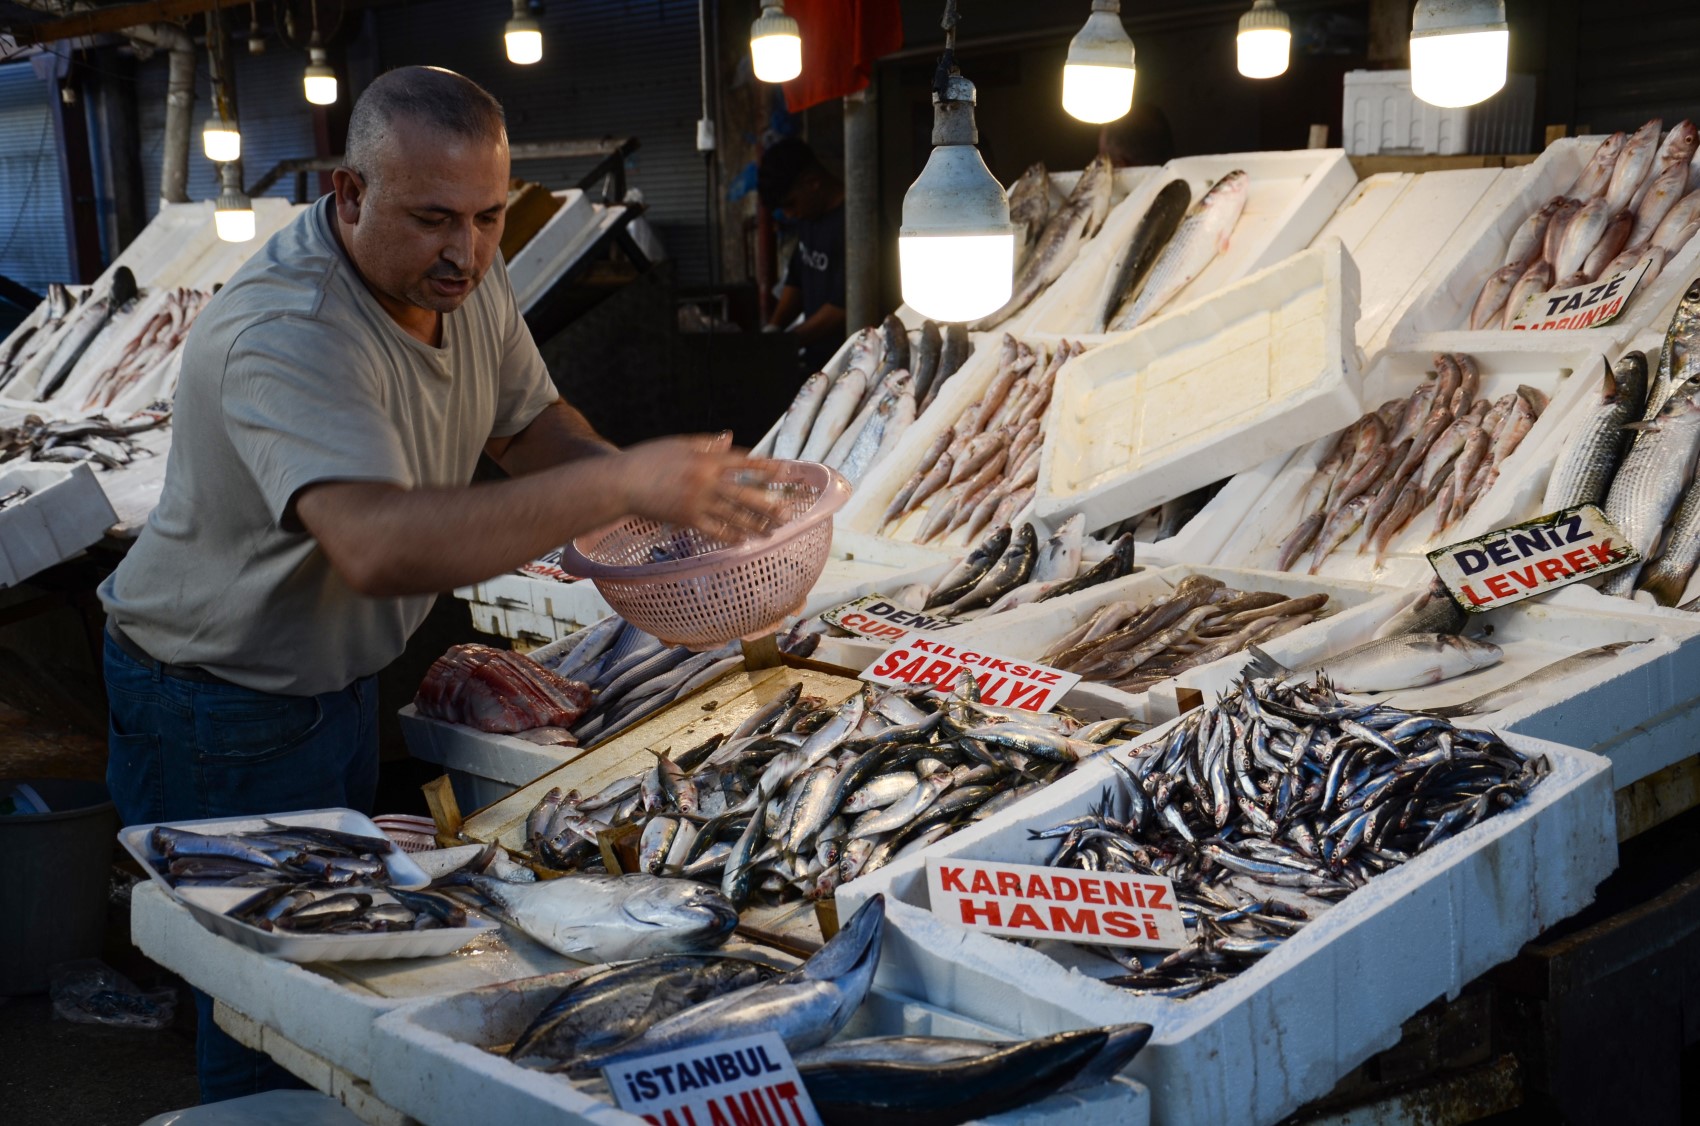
(233,214)
(1098,75)
(319,80)
(776,45)
(956,248)
(523,36)
(221,140)
(1265,41)
(1458,51)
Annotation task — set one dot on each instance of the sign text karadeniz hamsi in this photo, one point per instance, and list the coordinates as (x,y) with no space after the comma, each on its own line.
(738,1080)
(1030,901)
(1532,558)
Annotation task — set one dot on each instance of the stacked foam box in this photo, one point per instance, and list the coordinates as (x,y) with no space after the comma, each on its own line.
(65,512)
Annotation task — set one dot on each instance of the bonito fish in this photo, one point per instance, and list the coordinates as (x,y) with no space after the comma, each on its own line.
(1203,235)
(1156,227)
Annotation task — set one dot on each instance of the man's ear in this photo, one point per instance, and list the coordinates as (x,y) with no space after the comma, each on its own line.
(350,190)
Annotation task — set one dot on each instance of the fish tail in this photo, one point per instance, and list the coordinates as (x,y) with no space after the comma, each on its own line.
(1666,587)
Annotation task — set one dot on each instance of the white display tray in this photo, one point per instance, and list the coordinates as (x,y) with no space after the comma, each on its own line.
(208,905)
(65,512)
(1256,542)
(535,264)
(1438,320)
(1255,1048)
(1392,225)
(1204,391)
(430,1061)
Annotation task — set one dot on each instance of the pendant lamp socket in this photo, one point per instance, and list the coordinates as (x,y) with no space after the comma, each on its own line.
(776,45)
(1459,51)
(1265,41)
(956,248)
(1099,72)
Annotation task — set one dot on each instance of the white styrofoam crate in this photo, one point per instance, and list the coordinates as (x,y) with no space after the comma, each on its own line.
(1254,1048)
(1203,536)
(431,1062)
(1382,116)
(1438,320)
(1256,542)
(65,512)
(530,267)
(1392,225)
(1289,198)
(504,759)
(1208,389)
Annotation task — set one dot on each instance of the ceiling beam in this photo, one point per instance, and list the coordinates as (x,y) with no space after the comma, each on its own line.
(96,21)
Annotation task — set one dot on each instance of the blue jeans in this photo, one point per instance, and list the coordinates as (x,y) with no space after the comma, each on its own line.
(181,749)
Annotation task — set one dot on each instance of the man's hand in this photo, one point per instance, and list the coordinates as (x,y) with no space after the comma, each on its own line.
(701,482)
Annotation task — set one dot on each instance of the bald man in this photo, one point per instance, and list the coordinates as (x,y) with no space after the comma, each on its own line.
(334,399)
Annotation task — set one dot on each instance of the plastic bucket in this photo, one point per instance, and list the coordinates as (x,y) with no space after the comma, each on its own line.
(54,883)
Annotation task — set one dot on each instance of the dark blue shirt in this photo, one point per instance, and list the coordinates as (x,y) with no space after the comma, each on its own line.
(817,269)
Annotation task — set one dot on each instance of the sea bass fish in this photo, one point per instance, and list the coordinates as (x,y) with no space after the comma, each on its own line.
(1387,664)
(1077,220)
(1584,471)
(610,918)
(1202,236)
(1651,479)
(800,416)
(1525,686)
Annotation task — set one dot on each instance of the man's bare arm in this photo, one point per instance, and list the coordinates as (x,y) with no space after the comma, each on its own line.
(386,541)
(557,436)
(826,322)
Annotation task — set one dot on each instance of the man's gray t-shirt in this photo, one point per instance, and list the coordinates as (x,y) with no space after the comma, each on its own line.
(294,374)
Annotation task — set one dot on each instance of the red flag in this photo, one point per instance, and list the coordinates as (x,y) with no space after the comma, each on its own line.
(841,41)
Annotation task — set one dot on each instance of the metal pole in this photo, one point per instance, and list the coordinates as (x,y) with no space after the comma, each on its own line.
(861,209)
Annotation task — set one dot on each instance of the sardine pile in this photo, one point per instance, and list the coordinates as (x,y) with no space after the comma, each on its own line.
(1635,199)
(1196,242)
(312,911)
(1441,449)
(671,1002)
(852,418)
(280,855)
(1047,241)
(1273,803)
(95,439)
(1132,646)
(981,472)
(1633,453)
(802,797)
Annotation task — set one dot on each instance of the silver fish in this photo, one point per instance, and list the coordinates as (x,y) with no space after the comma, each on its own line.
(799,418)
(835,413)
(1634,165)
(1666,577)
(611,918)
(1059,558)
(1490,304)
(1202,236)
(1581,235)
(1388,664)
(1029,209)
(1596,174)
(957,348)
(1652,478)
(1430,609)
(1666,191)
(1612,241)
(1535,281)
(1591,455)
(1012,569)
(1525,686)
(1156,227)
(1077,220)
(924,356)
(1682,215)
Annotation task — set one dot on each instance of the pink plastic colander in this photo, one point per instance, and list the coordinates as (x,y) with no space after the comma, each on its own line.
(689,589)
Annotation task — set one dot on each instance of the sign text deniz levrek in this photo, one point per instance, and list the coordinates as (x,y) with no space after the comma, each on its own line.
(743,1080)
(1532,558)
(1029,901)
(924,661)
(881,619)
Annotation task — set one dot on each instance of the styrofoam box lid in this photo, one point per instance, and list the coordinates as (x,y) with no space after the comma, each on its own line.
(65,512)
(532,265)
(1205,391)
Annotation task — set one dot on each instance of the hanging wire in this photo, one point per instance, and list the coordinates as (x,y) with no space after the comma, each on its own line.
(947,61)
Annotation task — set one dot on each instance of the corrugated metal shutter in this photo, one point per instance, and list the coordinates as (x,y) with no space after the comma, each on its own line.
(277,123)
(1637,59)
(32,215)
(610,68)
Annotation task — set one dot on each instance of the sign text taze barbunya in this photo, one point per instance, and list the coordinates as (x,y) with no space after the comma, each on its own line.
(733,1082)
(923,660)
(1581,306)
(1531,558)
(881,619)
(1028,901)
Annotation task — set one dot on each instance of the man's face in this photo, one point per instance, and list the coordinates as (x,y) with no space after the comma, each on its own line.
(808,197)
(425,224)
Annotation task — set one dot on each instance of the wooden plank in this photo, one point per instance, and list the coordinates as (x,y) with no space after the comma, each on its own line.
(1657,798)
(116,18)
(445,810)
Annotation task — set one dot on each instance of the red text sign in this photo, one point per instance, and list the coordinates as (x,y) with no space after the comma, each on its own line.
(749,1079)
(1582,306)
(923,660)
(1028,901)
(1532,558)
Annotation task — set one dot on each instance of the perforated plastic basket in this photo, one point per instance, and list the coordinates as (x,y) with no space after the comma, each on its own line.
(689,589)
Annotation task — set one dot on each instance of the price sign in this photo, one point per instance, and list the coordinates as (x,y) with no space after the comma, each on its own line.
(879,618)
(747,1079)
(918,659)
(1532,558)
(1582,306)
(1029,901)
